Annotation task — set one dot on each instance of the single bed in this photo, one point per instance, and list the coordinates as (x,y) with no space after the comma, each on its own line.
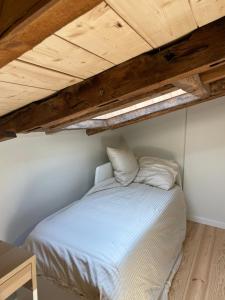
(116,243)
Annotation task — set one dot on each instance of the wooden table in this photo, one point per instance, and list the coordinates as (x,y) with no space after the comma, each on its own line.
(17,269)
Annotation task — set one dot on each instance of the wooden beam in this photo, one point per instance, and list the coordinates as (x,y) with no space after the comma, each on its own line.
(88,124)
(7,135)
(193,85)
(33,109)
(144,113)
(153,108)
(11,12)
(126,102)
(24,24)
(213,74)
(200,51)
(217,89)
(94,123)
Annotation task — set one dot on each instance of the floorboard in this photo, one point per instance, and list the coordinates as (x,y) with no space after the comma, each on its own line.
(201,275)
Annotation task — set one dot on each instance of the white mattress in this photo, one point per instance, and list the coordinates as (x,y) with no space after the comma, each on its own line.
(116,243)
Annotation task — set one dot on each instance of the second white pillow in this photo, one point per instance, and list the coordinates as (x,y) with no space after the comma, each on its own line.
(157,172)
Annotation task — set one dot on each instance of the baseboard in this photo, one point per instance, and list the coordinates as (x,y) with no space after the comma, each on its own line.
(206,221)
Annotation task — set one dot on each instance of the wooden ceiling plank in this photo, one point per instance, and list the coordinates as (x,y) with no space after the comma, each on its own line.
(103,32)
(57,54)
(16,96)
(193,85)
(204,48)
(213,74)
(22,29)
(30,75)
(217,89)
(158,22)
(207,11)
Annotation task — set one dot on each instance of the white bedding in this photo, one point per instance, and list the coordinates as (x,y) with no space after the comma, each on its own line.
(116,243)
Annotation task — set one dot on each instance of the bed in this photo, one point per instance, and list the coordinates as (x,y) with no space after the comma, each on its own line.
(116,243)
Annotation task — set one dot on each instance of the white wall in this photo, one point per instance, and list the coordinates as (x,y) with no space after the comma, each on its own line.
(199,142)
(204,177)
(40,174)
(162,136)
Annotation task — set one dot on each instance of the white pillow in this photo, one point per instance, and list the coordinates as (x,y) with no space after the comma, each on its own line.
(157,172)
(124,164)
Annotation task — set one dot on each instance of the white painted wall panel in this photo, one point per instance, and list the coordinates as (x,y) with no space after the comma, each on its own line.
(204,177)
(200,142)
(162,136)
(40,174)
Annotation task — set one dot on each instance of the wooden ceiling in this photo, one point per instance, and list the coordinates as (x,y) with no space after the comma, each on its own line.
(99,35)
(109,34)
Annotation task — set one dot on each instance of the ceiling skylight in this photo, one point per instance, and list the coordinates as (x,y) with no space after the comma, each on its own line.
(141,104)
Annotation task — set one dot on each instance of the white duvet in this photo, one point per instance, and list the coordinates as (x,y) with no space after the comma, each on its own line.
(116,243)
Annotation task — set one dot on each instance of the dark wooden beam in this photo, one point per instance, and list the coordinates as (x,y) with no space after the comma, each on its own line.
(217,89)
(12,12)
(126,102)
(213,74)
(144,113)
(200,51)
(193,85)
(7,135)
(25,23)
(22,119)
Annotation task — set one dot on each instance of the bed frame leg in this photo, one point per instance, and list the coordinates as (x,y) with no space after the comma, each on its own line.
(35,294)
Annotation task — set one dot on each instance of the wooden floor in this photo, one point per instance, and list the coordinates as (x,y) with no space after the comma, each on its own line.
(202,271)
